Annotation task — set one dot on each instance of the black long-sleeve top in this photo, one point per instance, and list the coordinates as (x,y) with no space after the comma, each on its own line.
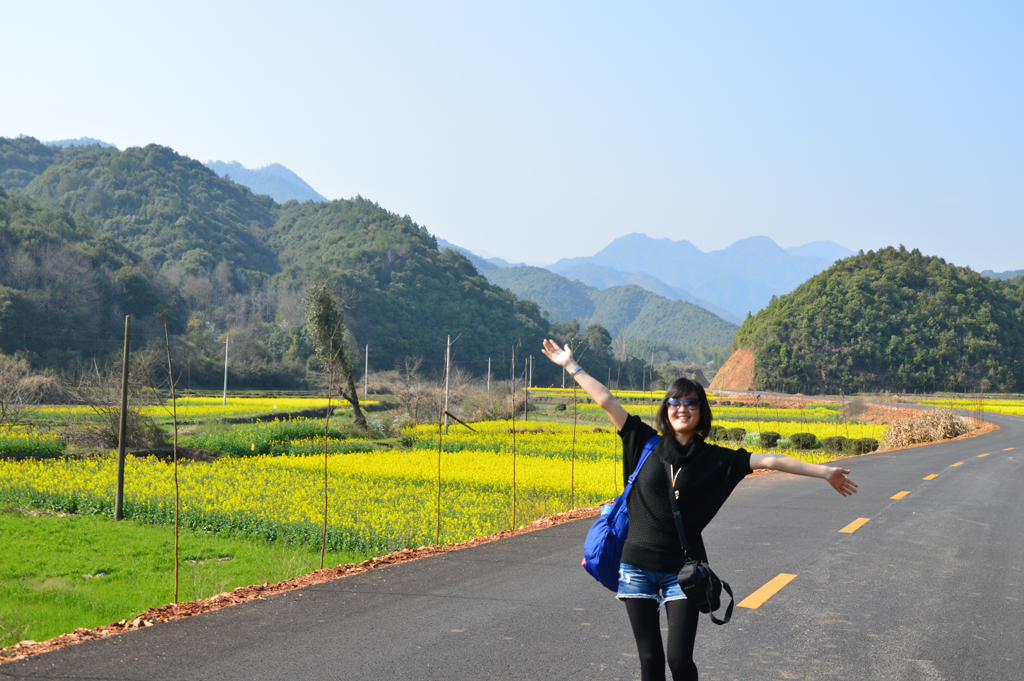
(708,476)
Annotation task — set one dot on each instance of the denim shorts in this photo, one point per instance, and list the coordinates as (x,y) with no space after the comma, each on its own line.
(636,582)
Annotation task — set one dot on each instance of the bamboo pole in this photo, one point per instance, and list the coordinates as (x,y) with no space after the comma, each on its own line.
(123,425)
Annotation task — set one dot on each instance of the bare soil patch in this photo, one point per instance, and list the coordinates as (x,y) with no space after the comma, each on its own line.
(737,373)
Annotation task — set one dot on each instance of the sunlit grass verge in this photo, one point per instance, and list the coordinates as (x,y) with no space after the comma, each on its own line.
(62,573)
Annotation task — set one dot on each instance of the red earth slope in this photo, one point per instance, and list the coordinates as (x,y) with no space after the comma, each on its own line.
(737,373)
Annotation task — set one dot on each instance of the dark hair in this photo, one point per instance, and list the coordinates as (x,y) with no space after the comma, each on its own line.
(681,387)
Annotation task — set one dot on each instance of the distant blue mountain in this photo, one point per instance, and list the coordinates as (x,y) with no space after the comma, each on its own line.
(829,250)
(601,278)
(627,311)
(483,265)
(1010,274)
(732,282)
(274,180)
(79,142)
(729,283)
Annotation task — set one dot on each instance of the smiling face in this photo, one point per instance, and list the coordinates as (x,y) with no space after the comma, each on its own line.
(677,418)
(684,416)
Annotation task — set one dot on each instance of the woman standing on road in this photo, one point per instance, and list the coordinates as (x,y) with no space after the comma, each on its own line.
(705,476)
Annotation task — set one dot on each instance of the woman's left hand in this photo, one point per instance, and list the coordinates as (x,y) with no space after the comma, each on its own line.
(842,484)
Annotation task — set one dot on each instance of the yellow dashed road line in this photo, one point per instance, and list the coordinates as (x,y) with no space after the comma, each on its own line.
(1008,449)
(854,526)
(757,599)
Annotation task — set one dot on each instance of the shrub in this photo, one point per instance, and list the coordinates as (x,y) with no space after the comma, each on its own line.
(860,446)
(834,444)
(735,434)
(853,409)
(769,438)
(803,440)
(926,426)
(717,434)
(868,444)
(141,431)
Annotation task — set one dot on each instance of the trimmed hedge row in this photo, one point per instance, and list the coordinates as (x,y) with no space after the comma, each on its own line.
(836,444)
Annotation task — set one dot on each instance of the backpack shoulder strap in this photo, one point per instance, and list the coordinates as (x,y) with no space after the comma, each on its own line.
(648,448)
(620,501)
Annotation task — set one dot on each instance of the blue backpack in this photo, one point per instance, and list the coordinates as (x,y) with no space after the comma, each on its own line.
(602,550)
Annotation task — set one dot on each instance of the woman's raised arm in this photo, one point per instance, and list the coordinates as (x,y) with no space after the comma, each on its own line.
(562,356)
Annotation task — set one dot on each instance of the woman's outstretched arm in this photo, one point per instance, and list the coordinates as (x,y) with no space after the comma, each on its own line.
(834,476)
(562,356)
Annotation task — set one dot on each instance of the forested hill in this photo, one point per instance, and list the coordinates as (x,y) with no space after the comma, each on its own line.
(65,288)
(626,311)
(406,296)
(22,159)
(891,320)
(101,233)
(166,207)
(144,229)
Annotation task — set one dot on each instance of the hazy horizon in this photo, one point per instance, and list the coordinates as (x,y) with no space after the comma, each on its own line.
(532,128)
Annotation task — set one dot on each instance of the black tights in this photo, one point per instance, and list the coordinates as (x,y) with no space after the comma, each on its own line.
(682,630)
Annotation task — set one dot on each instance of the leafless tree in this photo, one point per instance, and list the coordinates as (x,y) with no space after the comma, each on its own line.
(99,388)
(16,392)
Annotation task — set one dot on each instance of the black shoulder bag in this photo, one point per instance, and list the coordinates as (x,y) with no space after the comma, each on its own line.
(699,583)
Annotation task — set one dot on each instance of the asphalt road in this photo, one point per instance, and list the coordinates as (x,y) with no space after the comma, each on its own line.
(929,587)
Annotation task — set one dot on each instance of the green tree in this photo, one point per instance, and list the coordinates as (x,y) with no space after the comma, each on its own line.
(325,328)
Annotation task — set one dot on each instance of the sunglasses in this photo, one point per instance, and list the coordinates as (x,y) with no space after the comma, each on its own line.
(689,402)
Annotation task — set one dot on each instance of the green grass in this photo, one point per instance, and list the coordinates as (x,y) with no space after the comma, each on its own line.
(271,437)
(59,573)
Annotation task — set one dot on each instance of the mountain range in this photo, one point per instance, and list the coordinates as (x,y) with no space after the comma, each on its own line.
(90,234)
(274,180)
(734,282)
(730,283)
(79,142)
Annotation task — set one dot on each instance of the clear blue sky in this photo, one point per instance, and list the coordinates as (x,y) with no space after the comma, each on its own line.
(535,131)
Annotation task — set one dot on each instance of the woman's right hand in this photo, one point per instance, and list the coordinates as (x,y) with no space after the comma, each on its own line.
(562,356)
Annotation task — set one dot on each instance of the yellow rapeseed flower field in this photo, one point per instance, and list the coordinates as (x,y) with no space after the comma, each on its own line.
(383,499)
(377,500)
(202,408)
(1011,407)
